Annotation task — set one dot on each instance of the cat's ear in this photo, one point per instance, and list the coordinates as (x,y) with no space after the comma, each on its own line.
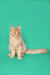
(12,28)
(19,27)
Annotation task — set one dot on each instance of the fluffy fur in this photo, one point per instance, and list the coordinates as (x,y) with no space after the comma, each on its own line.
(17,45)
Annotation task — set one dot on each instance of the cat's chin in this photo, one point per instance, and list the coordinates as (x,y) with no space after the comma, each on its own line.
(16,36)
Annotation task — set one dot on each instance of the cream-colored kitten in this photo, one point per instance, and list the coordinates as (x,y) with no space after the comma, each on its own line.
(17,45)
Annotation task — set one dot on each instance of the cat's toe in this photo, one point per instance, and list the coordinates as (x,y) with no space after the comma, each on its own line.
(11,56)
(19,57)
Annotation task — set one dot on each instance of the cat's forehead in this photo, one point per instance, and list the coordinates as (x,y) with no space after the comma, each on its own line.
(16,29)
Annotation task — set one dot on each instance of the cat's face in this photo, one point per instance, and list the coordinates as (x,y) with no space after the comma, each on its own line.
(15,32)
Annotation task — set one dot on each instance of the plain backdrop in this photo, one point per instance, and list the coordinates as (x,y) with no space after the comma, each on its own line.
(34,18)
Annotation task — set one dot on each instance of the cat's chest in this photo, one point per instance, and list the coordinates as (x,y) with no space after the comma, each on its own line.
(15,41)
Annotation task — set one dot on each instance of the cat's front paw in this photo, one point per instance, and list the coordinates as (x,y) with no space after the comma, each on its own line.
(19,57)
(12,56)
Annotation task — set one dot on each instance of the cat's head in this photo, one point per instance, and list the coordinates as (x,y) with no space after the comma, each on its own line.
(16,32)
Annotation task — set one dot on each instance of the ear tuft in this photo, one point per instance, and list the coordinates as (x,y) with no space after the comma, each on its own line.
(12,28)
(19,27)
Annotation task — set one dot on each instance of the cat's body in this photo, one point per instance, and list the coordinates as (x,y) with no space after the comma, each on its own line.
(17,45)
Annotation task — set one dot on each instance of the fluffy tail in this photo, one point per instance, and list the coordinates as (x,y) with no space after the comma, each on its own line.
(36,51)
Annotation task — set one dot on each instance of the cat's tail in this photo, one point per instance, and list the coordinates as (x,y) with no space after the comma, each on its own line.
(36,51)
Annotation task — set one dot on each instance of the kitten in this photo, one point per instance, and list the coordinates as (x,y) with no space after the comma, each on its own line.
(17,45)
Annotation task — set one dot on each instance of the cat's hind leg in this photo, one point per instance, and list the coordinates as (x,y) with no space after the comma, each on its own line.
(22,54)
(9,54)
(11,48)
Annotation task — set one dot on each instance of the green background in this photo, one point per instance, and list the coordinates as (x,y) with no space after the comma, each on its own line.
(34,17)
